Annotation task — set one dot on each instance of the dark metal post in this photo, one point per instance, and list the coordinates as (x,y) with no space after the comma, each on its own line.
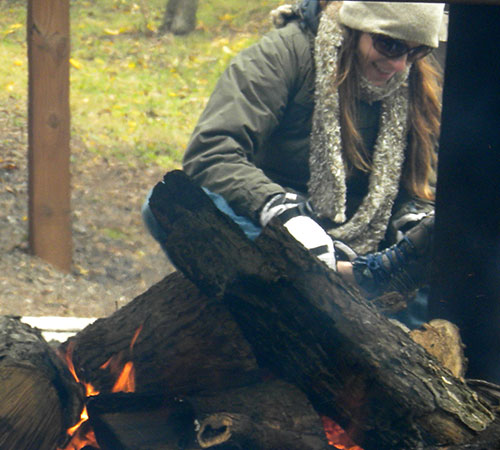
(466,285)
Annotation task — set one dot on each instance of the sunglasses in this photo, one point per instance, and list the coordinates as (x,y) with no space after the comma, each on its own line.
(394,48)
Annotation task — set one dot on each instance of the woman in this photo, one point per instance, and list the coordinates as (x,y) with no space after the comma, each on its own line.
(330,123)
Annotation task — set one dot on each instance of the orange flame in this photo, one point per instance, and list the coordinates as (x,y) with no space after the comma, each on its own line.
(336,436)
(80,436)
(83,436)
(125,373)
(81,433)
(134,338)
(126,379)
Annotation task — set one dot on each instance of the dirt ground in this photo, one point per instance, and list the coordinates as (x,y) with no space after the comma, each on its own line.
(114,257)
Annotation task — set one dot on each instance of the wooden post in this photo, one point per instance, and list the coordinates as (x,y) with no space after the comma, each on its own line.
(48,131)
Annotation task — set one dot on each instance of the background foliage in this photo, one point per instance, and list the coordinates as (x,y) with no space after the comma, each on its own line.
(135,94)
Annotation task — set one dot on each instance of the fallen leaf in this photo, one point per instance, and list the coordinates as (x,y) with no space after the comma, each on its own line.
(76,64)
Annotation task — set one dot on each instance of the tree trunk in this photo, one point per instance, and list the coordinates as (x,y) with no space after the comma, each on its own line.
(179,17)
(39,398)
(312,329)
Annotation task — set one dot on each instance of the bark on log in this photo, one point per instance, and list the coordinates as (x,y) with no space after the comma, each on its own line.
(241,431)
(267,415)
(264,416)
(39,399)
(189,343)
(186,342)
(311,328)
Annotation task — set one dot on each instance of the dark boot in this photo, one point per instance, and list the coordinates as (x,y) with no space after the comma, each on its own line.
(404,267)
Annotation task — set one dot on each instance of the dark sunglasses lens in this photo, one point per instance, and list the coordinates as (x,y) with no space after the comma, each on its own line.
(389,47)
(393,48)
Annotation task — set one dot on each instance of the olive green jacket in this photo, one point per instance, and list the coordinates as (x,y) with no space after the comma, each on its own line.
(252,140)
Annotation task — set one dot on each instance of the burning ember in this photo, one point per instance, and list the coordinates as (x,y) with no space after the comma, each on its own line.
(336,436)
(81,433)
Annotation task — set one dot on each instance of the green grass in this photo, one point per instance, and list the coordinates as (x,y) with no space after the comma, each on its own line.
(135,95)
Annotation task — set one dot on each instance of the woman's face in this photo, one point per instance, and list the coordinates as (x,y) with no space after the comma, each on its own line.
(377,68)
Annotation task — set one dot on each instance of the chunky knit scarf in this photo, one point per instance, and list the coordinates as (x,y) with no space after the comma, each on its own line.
(327,185)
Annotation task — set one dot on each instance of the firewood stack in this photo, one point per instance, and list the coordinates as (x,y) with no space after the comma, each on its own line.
(248,345)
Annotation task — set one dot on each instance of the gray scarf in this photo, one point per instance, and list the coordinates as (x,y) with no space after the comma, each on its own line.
(327,185)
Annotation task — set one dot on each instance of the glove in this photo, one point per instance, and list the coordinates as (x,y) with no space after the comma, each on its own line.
(407,221)
(295,213)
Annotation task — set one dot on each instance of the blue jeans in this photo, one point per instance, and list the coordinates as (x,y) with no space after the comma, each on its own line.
(160,235)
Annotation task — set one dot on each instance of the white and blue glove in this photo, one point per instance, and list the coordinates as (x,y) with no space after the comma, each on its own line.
(295,213)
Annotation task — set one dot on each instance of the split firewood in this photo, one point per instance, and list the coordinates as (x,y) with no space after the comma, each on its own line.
(442,340)
(39,399)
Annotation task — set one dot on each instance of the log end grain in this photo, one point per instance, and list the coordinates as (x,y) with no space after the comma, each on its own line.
(30,415)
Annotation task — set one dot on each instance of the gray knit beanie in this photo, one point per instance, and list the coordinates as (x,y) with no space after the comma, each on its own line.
(415,22)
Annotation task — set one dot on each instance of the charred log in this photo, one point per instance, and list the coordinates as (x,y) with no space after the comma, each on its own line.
(311,328)
(240,431)
(488,440)
(185,342)
(39,398)
(141,421)
(267,415)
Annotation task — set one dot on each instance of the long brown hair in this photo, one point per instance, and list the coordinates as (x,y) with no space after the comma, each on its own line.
(424,118)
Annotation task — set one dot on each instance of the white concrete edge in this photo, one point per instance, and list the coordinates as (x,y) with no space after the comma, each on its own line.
(58,323)
(58,328)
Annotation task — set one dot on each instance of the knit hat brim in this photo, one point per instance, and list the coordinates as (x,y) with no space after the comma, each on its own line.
(416,22)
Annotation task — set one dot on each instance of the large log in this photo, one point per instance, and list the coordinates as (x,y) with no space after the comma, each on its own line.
(313,329)
(189,345)
(186,342)
(39,399)
(270,414)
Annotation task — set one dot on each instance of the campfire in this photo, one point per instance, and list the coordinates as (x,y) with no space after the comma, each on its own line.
(249,345)
(82,434)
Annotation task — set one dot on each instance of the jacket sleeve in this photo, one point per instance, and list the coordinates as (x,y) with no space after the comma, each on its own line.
(246,106)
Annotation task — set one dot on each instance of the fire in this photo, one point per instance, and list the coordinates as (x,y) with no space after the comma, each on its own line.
(126,379)
(125,373)
(81,433)
(336,436)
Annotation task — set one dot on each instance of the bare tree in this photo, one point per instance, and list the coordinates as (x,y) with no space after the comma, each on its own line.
(180,16)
